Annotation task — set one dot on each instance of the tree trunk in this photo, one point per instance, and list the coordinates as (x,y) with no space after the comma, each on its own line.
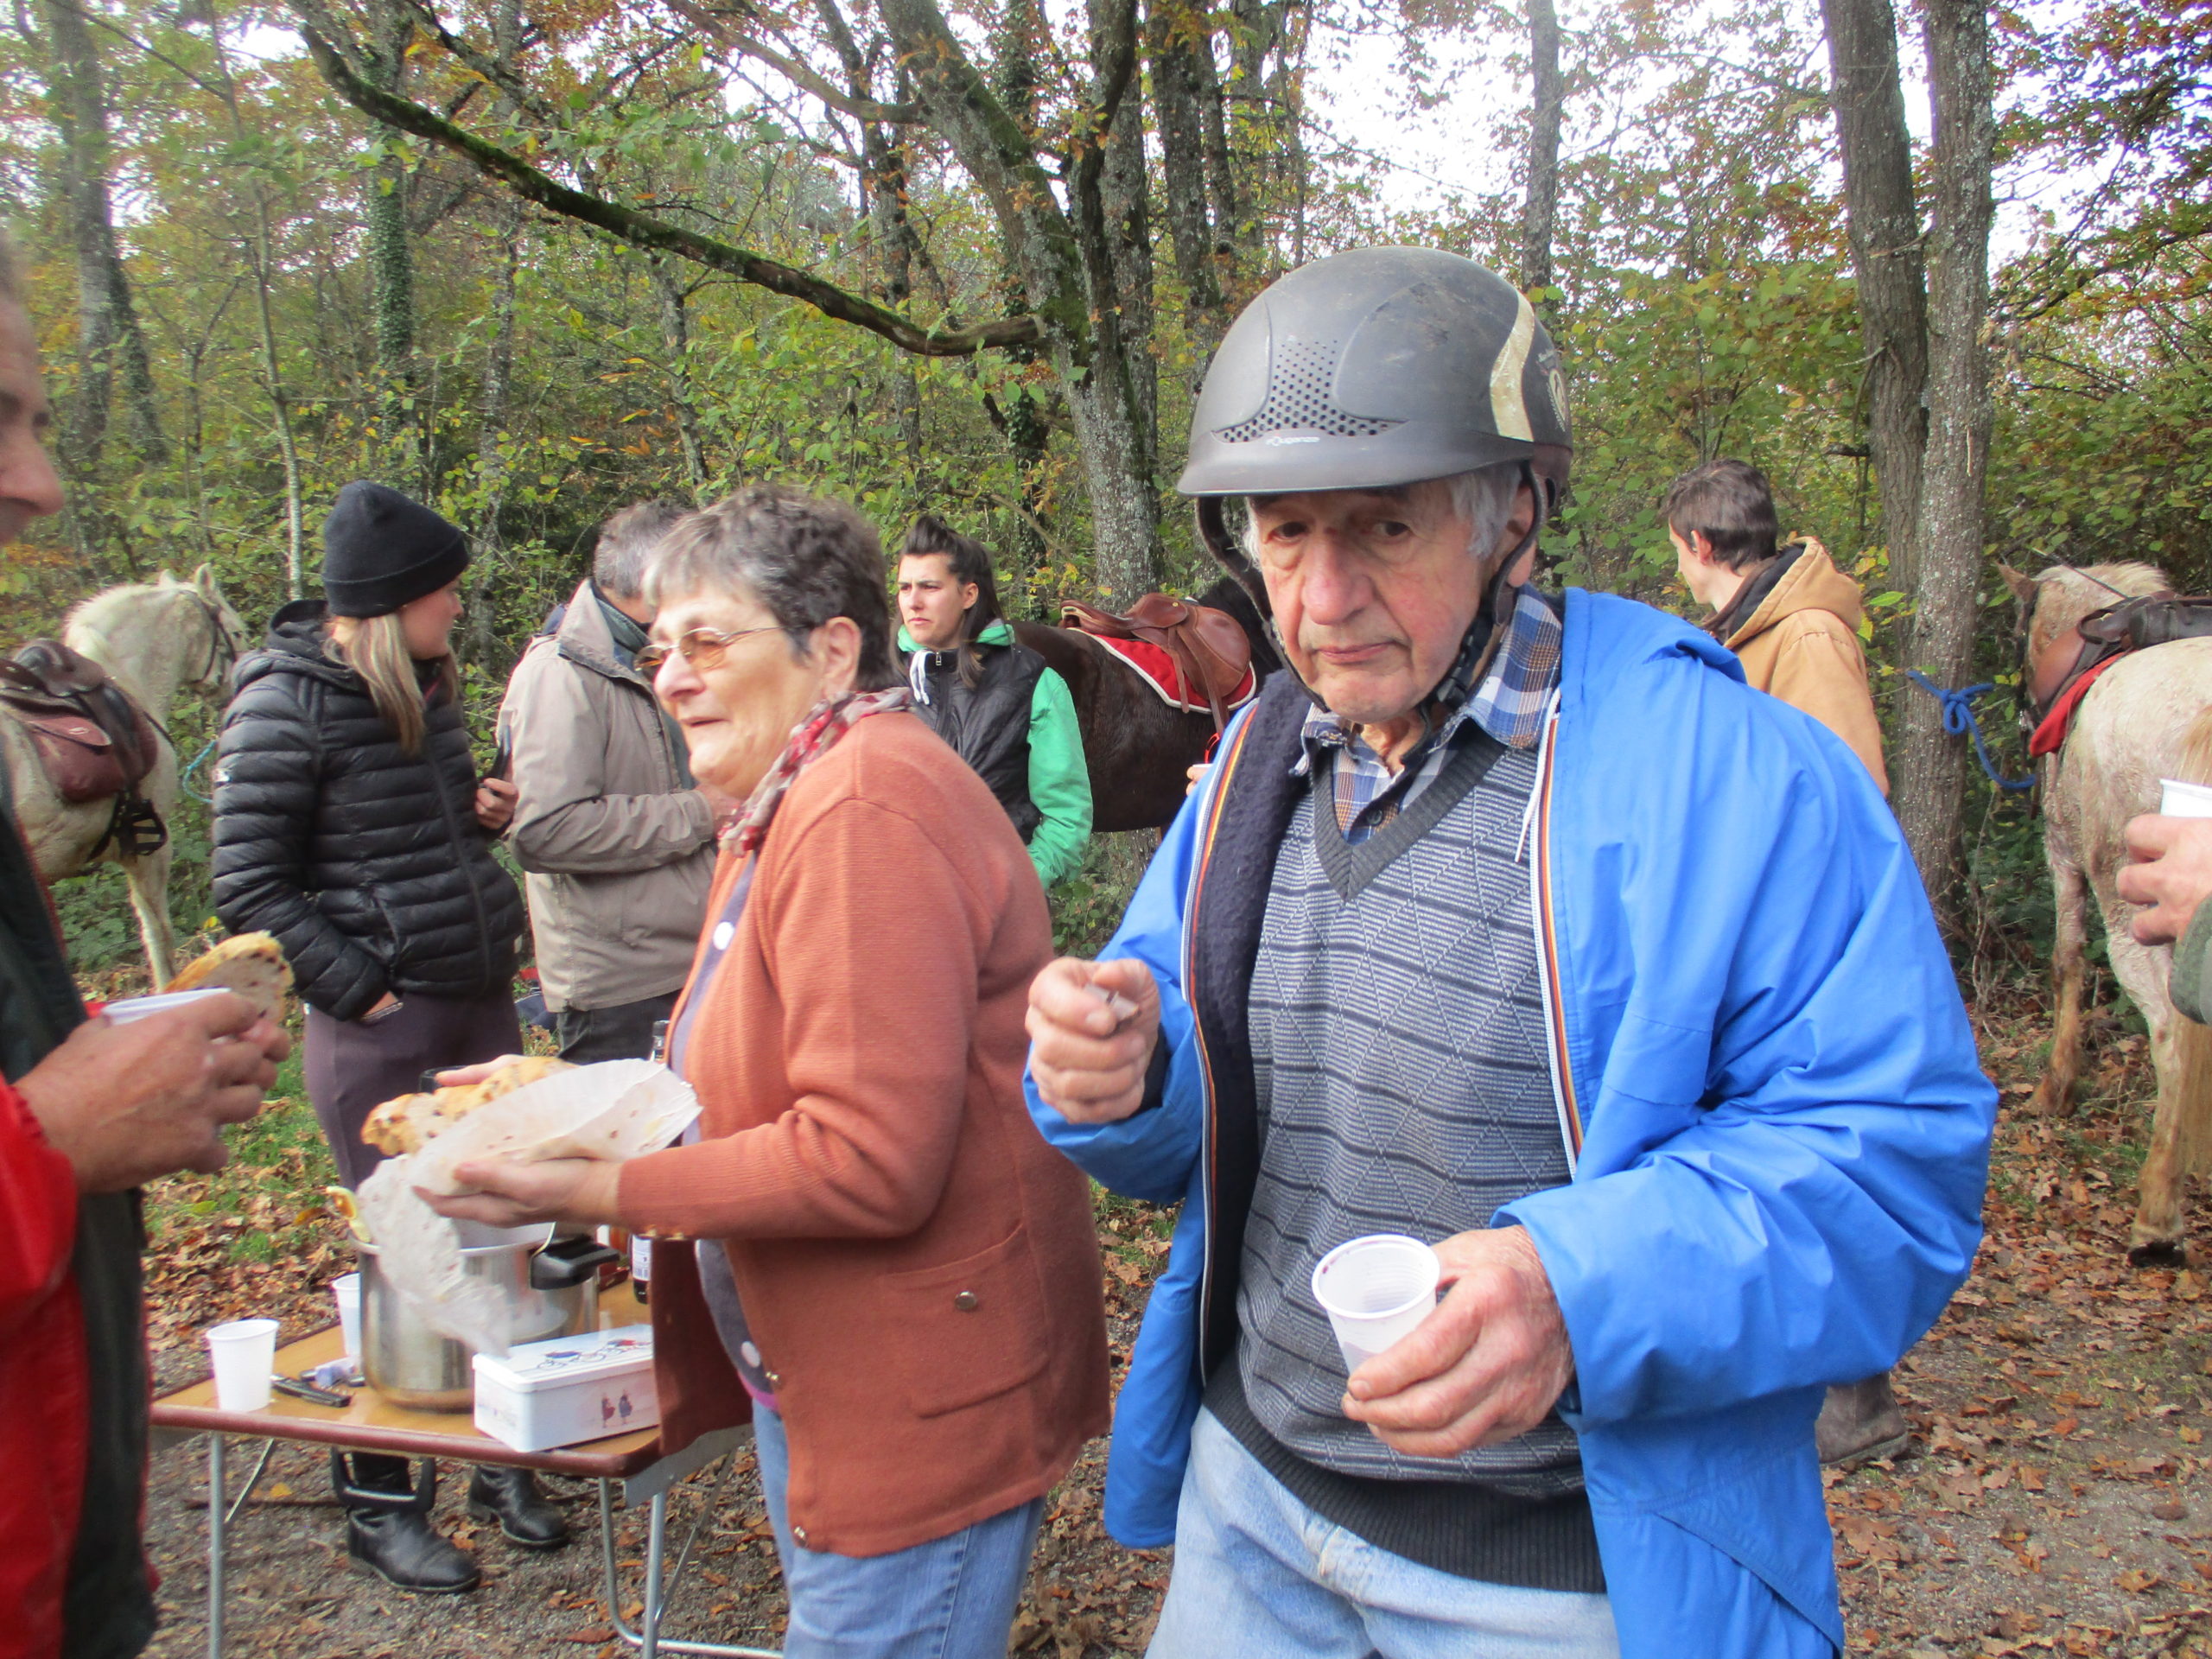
(391,271)
(1885,258)
(1931,772)
(109,337)
(1541,210)
(1065,274)
(675,337)
(1177,40)
(272,378)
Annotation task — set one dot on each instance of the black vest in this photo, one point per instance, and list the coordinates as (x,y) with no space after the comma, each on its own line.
(987,725)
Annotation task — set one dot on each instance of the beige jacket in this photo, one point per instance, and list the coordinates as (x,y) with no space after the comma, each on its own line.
(618,852)
(1800,644)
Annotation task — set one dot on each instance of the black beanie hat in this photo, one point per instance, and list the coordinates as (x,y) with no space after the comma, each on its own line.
(380,550)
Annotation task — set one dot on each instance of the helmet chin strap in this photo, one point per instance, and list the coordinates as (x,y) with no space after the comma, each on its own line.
(1479,643)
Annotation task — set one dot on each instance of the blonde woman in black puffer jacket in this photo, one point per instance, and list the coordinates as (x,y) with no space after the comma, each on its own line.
(351,824)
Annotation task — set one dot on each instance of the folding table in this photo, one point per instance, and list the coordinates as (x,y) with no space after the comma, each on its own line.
(373,1424)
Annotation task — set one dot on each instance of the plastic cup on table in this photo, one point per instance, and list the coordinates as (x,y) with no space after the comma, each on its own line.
(2181,800)
(346,1288)
(1376,1290)
(139,1008)
(244,1353)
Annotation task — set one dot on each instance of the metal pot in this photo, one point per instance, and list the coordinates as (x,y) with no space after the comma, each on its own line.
(551,1289)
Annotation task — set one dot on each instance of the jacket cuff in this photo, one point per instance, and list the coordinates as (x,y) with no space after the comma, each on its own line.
(2192,971)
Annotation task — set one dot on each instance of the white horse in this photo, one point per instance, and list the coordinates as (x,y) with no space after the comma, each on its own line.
(2148,716)
(152,638)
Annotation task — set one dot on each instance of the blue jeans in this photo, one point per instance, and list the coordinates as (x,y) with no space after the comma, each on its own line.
(952,1598)
(1251,1559)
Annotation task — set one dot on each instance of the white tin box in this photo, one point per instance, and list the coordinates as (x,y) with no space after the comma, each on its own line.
(568,1390)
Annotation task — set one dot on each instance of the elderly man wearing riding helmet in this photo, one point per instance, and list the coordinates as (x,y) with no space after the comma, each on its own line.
(1520,925)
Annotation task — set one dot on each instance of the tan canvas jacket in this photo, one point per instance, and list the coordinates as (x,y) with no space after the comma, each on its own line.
(619,853)
(1801,645)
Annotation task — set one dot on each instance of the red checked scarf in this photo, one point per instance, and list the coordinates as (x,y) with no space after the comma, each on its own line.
(813,737)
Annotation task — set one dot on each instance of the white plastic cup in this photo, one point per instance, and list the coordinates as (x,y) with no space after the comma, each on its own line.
(244,1353)
(347,1287)
(139,1008)
(2180,800)
(1374,1291)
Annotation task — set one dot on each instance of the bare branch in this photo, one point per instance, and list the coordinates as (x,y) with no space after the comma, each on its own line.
(799,75)
(645,230)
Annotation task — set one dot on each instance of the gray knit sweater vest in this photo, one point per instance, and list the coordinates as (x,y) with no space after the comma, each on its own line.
(1399,1052)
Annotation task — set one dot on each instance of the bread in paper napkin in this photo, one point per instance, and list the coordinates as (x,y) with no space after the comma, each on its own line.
(403,1124)
(613,1110)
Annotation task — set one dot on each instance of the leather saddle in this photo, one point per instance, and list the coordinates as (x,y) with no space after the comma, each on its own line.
(2131,624)
(1209,647)
(94,742)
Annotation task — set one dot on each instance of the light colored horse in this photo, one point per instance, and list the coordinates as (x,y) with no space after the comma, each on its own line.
(153,639)
(2148,716)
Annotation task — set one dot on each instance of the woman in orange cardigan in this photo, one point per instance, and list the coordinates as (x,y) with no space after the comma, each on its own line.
(902,1275)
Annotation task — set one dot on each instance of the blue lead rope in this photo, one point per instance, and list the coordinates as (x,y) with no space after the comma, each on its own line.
(184,777)
(1959,720)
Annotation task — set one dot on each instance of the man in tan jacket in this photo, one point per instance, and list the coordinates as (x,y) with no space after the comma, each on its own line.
(1792,618)
(1787,613)
(617,840)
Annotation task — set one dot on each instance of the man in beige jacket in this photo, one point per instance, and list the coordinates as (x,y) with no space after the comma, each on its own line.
(1792,618)
(1787,612)
(616,840)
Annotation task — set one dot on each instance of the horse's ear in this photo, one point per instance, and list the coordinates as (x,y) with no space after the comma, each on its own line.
(204,579)
(2024,587)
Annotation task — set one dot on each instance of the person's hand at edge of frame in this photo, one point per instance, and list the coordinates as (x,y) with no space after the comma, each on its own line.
(124,1104)
(1092,1028)
(2172,873)
(1484,1367)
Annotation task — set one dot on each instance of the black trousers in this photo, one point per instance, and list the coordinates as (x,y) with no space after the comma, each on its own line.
(624,1032)
(354,1066)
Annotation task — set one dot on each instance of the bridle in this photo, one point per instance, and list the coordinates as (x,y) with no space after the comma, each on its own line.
(222,648)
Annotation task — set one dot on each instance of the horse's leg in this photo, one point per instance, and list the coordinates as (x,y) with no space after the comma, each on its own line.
(148,881)
(2177,1113)
(2069,890)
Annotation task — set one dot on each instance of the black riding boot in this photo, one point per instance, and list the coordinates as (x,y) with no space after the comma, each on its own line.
(511,1497)
(388,1525)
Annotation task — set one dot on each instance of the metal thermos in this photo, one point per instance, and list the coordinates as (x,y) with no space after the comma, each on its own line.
(551,1289)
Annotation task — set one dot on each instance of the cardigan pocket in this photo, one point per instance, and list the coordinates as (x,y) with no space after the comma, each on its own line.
(967,1330)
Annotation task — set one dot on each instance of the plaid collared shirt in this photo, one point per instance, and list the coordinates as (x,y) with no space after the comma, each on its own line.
(1509,704)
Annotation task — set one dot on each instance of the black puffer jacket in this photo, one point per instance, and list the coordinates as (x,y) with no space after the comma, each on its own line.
(367,864)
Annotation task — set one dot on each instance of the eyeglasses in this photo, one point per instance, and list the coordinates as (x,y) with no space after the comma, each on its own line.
(702,648)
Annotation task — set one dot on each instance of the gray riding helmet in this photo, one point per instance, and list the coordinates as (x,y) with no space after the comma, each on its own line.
(1377,367)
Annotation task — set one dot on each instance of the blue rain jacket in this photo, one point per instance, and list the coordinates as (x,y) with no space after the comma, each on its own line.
(1768,1088)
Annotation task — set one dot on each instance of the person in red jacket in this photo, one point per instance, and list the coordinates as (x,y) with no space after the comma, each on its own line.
(88,1110)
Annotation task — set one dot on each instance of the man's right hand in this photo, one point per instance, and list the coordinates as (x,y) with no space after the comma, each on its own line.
(1092,1028)
(2172,873)
(124,1104)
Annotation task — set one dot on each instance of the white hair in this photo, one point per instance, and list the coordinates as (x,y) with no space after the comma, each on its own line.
(1484,498)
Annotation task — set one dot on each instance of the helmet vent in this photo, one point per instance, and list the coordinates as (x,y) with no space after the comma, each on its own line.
(1299,399)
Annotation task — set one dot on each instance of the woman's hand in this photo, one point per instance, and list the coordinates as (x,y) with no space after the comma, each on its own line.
(461,1076)
(495,805)
(518,1195)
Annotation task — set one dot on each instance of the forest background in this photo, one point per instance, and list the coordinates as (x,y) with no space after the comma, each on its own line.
(531,262)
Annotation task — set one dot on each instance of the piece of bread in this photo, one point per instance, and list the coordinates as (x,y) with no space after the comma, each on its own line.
(402,1125)
(252,964)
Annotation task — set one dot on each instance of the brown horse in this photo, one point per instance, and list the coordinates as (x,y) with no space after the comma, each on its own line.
(1137,747)
(2148,716)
